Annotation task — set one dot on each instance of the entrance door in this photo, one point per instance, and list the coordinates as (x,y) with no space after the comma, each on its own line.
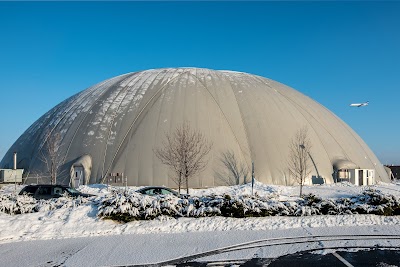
(78,176)
(360,177)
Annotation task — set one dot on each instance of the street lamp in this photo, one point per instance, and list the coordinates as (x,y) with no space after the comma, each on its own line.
(312,160)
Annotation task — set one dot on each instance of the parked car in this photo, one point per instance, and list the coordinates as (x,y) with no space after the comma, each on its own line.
(47,191)
(159,190)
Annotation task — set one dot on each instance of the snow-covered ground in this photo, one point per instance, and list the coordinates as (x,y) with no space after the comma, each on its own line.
(80,225)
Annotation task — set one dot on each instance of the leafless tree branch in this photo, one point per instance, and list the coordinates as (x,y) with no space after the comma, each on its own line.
(299,163)
(185,153)
(234,170)
(50,155)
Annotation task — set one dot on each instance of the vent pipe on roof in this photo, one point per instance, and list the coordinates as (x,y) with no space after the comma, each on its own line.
(15,161)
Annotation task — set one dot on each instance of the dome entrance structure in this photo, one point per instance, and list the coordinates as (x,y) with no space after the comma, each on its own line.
(114,127)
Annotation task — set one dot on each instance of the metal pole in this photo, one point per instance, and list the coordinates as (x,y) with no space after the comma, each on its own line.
(252,177)
(126,183)
(15,161)
(15,171)
(312,160)
(107,182)
(15,179)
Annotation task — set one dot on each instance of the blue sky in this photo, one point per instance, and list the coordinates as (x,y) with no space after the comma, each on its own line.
(335,52)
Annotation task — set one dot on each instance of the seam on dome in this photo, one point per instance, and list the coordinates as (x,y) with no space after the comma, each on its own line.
(165,72)
(264,81)
(137,116)
(39,131)
(278,102)
(212,156)
(158,73)
(226,77)
(125,158)
(113,118)
(344,151)
(88,95)
(84,117)
(270,153)
(87,113)
(78,103)
(300,109)
(219,107)
(58,110)
(297,107)
(136,93)
(35,155)
(155,135)
(110,126)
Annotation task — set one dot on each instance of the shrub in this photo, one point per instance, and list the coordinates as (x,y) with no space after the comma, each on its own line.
(128,206)
(20,204)
(138,207)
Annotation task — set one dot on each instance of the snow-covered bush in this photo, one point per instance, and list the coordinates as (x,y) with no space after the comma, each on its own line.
(370,201)
(128,206)
(18,204)
(15,204)
(204,206)
(373,201)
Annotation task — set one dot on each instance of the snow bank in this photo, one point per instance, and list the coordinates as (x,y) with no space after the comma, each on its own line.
(64,218)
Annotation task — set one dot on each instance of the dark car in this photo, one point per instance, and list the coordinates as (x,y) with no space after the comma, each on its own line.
(159,190)
(47,191)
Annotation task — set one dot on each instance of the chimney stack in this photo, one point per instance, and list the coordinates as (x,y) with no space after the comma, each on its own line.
(15,161)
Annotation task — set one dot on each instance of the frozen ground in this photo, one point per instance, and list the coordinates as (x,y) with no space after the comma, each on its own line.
(76,237)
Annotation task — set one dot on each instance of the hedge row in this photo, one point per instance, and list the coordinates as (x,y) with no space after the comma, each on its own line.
(130,206)
(127,207)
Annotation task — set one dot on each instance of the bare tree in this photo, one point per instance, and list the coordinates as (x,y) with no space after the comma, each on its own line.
(50,155)
(299,163)
(287,177)
(185,153)
(234,171)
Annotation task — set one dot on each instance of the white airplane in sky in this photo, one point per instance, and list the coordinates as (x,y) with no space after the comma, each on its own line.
(359,104)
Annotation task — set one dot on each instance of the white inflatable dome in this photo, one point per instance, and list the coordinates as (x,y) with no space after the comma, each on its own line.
(115,125)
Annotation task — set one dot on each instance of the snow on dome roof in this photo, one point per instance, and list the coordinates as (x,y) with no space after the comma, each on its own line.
(118,123)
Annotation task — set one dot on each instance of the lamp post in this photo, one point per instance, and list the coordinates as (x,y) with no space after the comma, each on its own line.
(312,160)
(252,177)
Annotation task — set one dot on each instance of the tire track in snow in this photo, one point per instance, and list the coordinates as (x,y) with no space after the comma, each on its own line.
(62,260)
(279,241)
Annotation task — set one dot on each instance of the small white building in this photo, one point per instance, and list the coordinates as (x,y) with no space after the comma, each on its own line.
(357,176)
(348,171)
(362,176)
(11,176)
